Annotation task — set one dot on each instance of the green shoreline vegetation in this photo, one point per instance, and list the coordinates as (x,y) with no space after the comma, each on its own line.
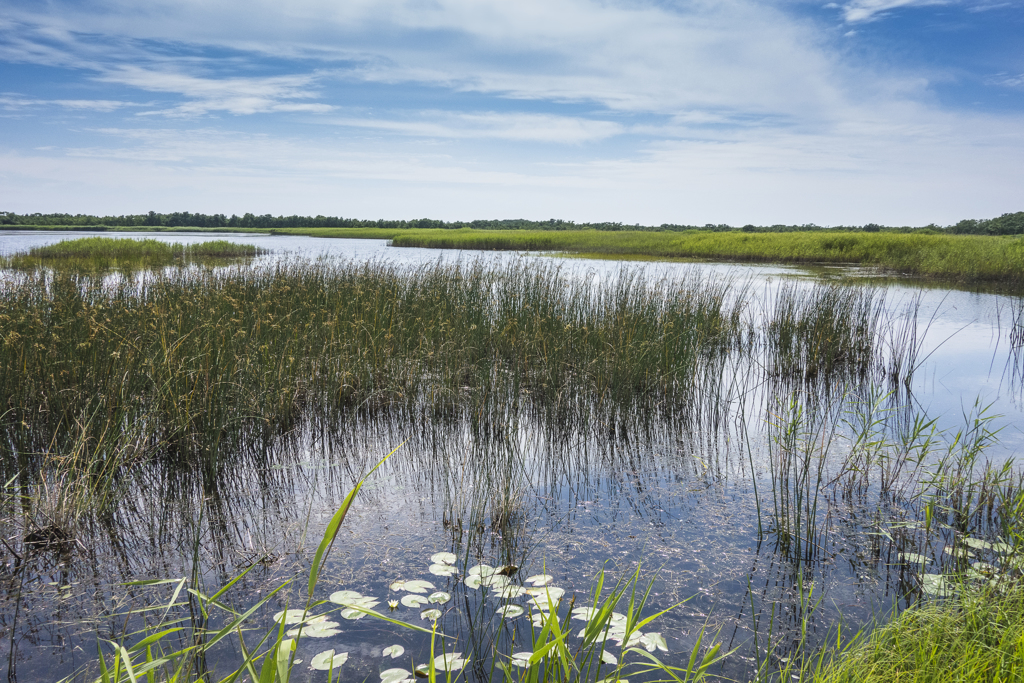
(104,253)
(971,251)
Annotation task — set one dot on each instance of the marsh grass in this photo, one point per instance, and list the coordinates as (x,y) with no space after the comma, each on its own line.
(954,257)
(92,254)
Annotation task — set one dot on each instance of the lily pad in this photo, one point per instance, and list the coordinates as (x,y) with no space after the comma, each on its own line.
(414,601)
(480,570)
(496,581)
(351,613)
(540,579)
(395,676)
(322,629)
(393,651)
(506,569)
(449,661)
(935,585)
(432,614)
(398,585)
(344,597)
(439,598)
(914,559)
(654,641)
(472,581)
(977,543)
(521,659)
(327,660)
(509,592)
(584,613)
(442,569)
(510,611)
(443,558)
(418,586)
(609,658)
(294,616)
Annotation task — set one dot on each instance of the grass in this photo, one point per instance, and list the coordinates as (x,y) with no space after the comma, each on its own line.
(953,257)
(104,253)
(975,638)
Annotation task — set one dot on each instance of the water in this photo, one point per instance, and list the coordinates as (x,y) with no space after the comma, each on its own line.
(677,501)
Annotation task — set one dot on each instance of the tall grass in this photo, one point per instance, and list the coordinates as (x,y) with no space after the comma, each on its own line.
(955,257)
(104,253)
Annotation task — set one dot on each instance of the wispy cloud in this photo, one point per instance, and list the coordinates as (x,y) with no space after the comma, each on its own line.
(493,125)
(233,95)
(13,102)
(870,10)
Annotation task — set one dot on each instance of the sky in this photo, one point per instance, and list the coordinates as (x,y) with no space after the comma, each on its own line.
(899,112)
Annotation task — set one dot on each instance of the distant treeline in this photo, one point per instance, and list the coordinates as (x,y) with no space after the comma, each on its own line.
(1007,224)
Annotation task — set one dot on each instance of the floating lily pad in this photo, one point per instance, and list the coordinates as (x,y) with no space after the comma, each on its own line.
(958,552)
(977,543)
(418,586)
(294,616)
(344,597)
(510,611)
(441,569)
(398,585)
(509,592)
(584,613)
(432,614)
(480,570)
(540,579)
(506,569)
(414,601)
(935,585)
(914,559)
(609,658)
(654,641)
(443,558)
(395,676)
(449,661)
(521,659)
(538,619)
(322,629)
(351,613)
(327,660)
(393,651)
(439,598)
(472,581)
(496,581)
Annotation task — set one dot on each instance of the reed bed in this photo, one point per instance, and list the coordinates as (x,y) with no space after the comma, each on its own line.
(954,257)
(104,253)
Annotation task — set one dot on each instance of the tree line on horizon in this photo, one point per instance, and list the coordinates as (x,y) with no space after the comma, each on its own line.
(1006,224)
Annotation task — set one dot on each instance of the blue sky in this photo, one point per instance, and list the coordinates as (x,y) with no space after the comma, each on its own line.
(640,111)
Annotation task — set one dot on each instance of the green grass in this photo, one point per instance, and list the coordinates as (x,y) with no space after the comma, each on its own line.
(956,257)
(104,253)
(976,638)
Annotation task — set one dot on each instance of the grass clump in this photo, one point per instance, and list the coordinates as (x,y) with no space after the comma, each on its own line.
(964,258)
(104,253)
(976,638)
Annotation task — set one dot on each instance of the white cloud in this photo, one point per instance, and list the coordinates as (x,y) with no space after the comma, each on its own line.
(870,10)
(492,125)
(233,95)
(13,102)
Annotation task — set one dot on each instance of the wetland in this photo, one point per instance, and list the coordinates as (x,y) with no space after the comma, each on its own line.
(494,466)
